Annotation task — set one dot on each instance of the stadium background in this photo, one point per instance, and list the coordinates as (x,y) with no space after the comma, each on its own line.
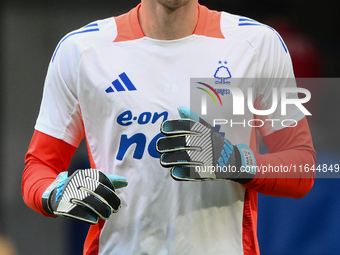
(30,30)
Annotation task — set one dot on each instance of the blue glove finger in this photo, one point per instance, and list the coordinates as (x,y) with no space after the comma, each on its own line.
(185,173)
(182,173)
(186,113)
(117,181)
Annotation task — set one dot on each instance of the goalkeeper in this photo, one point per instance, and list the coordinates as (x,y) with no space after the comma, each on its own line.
(115,82)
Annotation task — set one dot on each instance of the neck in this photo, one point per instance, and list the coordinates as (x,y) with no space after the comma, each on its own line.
(164,22)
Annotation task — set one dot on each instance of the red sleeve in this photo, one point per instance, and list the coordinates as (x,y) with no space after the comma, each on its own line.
(291,146)
(45,159)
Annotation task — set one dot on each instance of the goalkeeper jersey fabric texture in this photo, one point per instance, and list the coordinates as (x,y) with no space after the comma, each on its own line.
(111,84)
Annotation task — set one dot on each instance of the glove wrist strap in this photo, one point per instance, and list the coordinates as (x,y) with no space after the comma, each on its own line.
(246,164)
(46,195)
(46,206)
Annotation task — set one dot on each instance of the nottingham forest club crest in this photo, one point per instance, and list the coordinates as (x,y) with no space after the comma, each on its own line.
(222,73)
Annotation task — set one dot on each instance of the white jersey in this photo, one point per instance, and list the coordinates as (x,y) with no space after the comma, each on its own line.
(113,85)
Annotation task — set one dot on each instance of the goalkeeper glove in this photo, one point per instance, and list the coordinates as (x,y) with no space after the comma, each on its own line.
(196,151)
(86,195)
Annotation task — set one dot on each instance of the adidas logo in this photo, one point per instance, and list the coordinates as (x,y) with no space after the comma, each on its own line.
(118,86)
